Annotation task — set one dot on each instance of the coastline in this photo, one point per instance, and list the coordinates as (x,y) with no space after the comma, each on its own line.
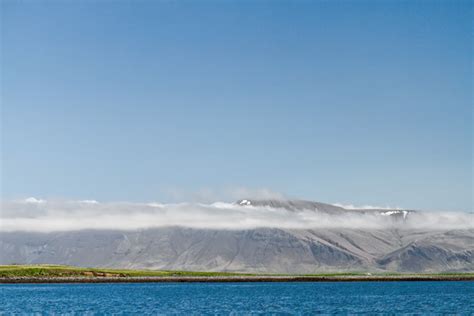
(225,279)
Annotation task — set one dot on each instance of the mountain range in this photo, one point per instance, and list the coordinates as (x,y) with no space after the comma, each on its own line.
(398,247)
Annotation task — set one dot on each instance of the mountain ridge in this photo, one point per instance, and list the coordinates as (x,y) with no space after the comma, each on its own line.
(300,205)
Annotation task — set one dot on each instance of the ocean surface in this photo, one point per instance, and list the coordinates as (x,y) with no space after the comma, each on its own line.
(239,298)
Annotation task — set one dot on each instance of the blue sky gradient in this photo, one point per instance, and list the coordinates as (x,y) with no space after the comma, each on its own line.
(352,102)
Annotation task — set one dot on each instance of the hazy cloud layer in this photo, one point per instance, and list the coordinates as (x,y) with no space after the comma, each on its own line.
(366,207)
(61,215)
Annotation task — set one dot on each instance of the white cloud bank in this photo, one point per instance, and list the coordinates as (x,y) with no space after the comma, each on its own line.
(366,207)
(61,215)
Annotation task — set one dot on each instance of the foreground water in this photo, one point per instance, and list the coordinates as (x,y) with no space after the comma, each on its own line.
(239,298)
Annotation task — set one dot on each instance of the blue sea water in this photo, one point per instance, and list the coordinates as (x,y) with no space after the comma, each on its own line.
(239,298)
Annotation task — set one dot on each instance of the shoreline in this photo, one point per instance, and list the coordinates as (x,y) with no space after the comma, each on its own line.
(226,279)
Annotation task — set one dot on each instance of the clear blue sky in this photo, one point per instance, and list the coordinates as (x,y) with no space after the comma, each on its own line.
(354,102)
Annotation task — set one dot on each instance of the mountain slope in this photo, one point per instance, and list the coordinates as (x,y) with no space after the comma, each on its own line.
(256,250)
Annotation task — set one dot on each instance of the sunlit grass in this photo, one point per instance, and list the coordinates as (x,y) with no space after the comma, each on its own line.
(49,270)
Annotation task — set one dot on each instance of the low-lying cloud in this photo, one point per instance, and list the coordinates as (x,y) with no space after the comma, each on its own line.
(61,215)
(366,207)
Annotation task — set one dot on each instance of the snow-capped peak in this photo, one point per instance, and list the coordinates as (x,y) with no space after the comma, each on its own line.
(393,212)
(245,202)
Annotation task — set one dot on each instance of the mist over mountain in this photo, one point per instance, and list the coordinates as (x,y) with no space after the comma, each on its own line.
(65,215)
(249,235)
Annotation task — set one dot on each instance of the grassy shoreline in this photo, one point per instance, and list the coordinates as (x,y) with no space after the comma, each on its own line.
(69,274)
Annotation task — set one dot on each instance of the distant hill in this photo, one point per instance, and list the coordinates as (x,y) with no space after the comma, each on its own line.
(268,250)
